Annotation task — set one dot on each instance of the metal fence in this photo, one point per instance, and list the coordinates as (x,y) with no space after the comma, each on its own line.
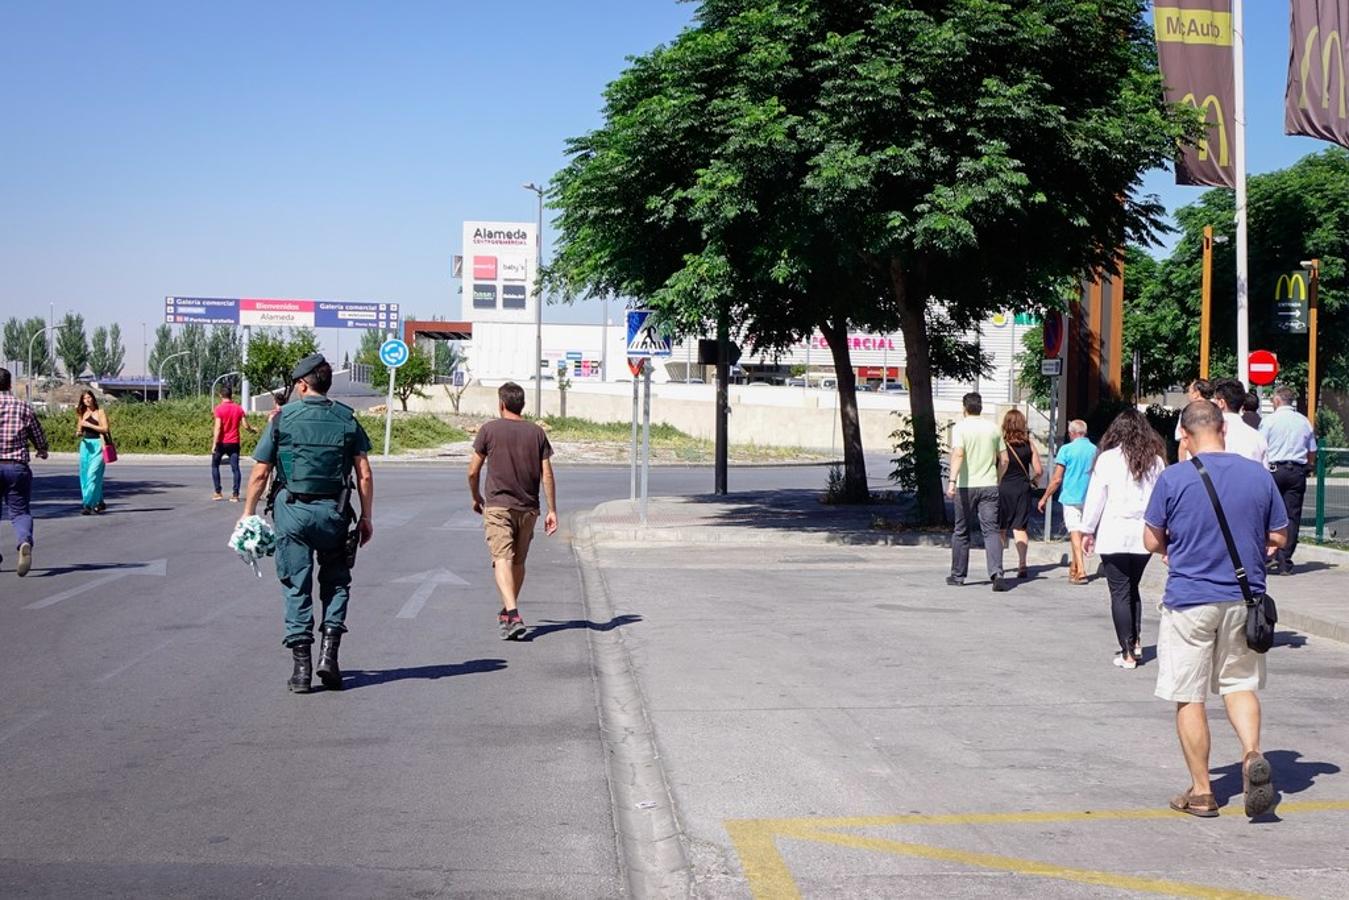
(1331,507)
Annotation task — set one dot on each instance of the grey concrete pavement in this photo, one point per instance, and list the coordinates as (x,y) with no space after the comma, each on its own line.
(834,721)
(150,748)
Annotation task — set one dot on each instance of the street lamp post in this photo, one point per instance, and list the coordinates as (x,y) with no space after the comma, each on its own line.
(538,307)
(28,387)
(145,364)
(218,379)
(161,370)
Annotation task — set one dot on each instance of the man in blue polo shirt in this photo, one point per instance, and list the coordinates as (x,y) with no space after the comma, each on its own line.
(1201,643)
(1072,472)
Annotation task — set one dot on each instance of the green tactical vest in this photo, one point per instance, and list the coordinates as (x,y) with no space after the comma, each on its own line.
(315,446)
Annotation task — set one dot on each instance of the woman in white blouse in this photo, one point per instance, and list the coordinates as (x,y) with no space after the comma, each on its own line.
(1130,458)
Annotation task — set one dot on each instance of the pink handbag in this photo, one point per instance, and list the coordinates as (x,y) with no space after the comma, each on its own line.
(109,449)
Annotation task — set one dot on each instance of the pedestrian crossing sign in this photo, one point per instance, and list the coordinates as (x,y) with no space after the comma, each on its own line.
(644,339)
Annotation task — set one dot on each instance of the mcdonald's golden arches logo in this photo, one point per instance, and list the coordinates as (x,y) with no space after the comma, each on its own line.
(1332,51)
(1211,107)
(1292,286)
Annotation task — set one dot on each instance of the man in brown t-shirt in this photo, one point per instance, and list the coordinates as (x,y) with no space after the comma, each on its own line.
(518,458)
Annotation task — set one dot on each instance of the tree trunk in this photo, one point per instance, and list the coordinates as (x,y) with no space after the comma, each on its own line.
(855,488)
(918,368)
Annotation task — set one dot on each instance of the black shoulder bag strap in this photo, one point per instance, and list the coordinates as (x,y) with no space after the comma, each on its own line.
(278,476)
(1227,532)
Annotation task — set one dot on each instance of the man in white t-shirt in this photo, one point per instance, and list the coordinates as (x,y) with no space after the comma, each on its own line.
(1241,438)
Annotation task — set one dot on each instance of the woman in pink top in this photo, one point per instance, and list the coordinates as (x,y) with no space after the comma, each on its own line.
(229,417)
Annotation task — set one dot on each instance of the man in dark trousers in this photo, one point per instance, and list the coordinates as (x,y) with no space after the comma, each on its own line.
(19,427)
(314,445)
(518,458)
(1292,457)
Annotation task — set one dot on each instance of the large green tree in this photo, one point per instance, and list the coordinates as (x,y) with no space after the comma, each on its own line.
(72,345)
(799,164)
(15,348)
(272,355)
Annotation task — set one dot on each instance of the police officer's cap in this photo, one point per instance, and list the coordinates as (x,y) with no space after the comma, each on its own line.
(306,366)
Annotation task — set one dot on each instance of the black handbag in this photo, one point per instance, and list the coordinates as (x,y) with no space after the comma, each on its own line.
(1261,616)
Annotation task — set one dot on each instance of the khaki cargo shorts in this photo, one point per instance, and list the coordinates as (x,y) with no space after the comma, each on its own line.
(1202,649)
(509,532)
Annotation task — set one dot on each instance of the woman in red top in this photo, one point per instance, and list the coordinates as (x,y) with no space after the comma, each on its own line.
(229,416)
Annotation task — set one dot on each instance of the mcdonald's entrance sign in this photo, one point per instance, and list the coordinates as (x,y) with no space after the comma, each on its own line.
(1264,367)
(1291,309)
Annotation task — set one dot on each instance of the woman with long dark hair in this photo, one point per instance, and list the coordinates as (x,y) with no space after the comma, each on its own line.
(91,430)
(1019,471)
(1130,457)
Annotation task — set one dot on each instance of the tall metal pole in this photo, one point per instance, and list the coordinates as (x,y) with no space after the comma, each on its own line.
(1206,301)
(1312,302)
(161,369)
(244,387)
(1239,160)
(388,404)
(723,403)
(604,342)
(145,365)
(646,435)
(632,486)
(538,307)
(28,386)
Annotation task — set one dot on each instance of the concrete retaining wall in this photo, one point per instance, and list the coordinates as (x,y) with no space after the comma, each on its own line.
(766,416)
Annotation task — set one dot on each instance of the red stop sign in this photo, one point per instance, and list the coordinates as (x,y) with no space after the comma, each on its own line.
(1263,366)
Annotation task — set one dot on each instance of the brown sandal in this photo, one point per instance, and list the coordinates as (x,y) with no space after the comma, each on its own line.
(1201,805)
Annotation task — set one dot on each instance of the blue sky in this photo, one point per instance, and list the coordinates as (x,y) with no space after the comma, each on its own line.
(327,150)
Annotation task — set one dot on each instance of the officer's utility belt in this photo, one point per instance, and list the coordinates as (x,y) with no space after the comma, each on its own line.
(310,498)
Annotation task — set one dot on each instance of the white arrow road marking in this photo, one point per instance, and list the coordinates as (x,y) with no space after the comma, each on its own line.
(157,567)
(426,586)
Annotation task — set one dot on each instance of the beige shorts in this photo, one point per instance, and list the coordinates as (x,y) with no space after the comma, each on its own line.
(1072,517)
(1202,649)
(509,532)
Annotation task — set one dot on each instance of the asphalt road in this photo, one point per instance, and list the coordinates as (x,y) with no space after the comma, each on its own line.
(150,747)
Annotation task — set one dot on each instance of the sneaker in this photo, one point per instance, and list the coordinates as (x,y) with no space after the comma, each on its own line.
(503,624)
(25,559)
(1258,784)
(1000,585)
(953,581)
(217,497)
(1125,662)
(234,498)
(515,628)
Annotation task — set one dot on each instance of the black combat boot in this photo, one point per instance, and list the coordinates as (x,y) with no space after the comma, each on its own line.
(328,672)
(304,669)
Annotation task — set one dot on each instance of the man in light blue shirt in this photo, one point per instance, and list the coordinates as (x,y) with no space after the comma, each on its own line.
(1072,472)
(1292,454)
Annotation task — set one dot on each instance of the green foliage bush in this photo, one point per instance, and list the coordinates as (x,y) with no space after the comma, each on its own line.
(184,427)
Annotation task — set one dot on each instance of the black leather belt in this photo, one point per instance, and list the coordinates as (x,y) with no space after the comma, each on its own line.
(310,498)
(1286,462)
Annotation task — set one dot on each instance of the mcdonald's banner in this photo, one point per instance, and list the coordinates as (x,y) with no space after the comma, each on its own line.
(1194,48)
(1291,312)
(1315,101)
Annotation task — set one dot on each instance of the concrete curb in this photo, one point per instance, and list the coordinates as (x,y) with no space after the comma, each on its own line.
(652,848)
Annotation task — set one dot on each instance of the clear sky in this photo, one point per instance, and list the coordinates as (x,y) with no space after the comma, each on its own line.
(327,150)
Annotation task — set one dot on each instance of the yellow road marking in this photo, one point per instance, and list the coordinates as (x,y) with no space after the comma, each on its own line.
(769,878)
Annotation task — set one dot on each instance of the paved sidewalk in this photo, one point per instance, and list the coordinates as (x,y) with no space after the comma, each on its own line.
(1315,600)
(831,720)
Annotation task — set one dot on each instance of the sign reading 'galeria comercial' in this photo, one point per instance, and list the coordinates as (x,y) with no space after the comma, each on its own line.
(1194,47)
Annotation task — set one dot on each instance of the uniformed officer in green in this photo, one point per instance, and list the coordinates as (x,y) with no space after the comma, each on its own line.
(314,444)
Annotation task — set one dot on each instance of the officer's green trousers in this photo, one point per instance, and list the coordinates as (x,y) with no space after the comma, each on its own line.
(307,533)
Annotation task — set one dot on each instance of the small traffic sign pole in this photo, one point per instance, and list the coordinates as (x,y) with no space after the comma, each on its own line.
(1313,288)
(635,366)
(646,436)
(393,353)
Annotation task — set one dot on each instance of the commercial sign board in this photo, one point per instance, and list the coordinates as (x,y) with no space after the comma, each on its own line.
(1291,311)
(1316,102)
(502,256)
(1194,49)
(280,313)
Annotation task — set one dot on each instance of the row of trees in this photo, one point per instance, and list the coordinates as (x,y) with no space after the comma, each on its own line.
(1294,214)
(785,166)
(103,356)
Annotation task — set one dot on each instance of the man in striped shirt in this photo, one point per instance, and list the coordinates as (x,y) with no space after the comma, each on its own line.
(19,427)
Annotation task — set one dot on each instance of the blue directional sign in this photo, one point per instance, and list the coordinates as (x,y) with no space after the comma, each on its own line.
(644,340)
(393,353)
